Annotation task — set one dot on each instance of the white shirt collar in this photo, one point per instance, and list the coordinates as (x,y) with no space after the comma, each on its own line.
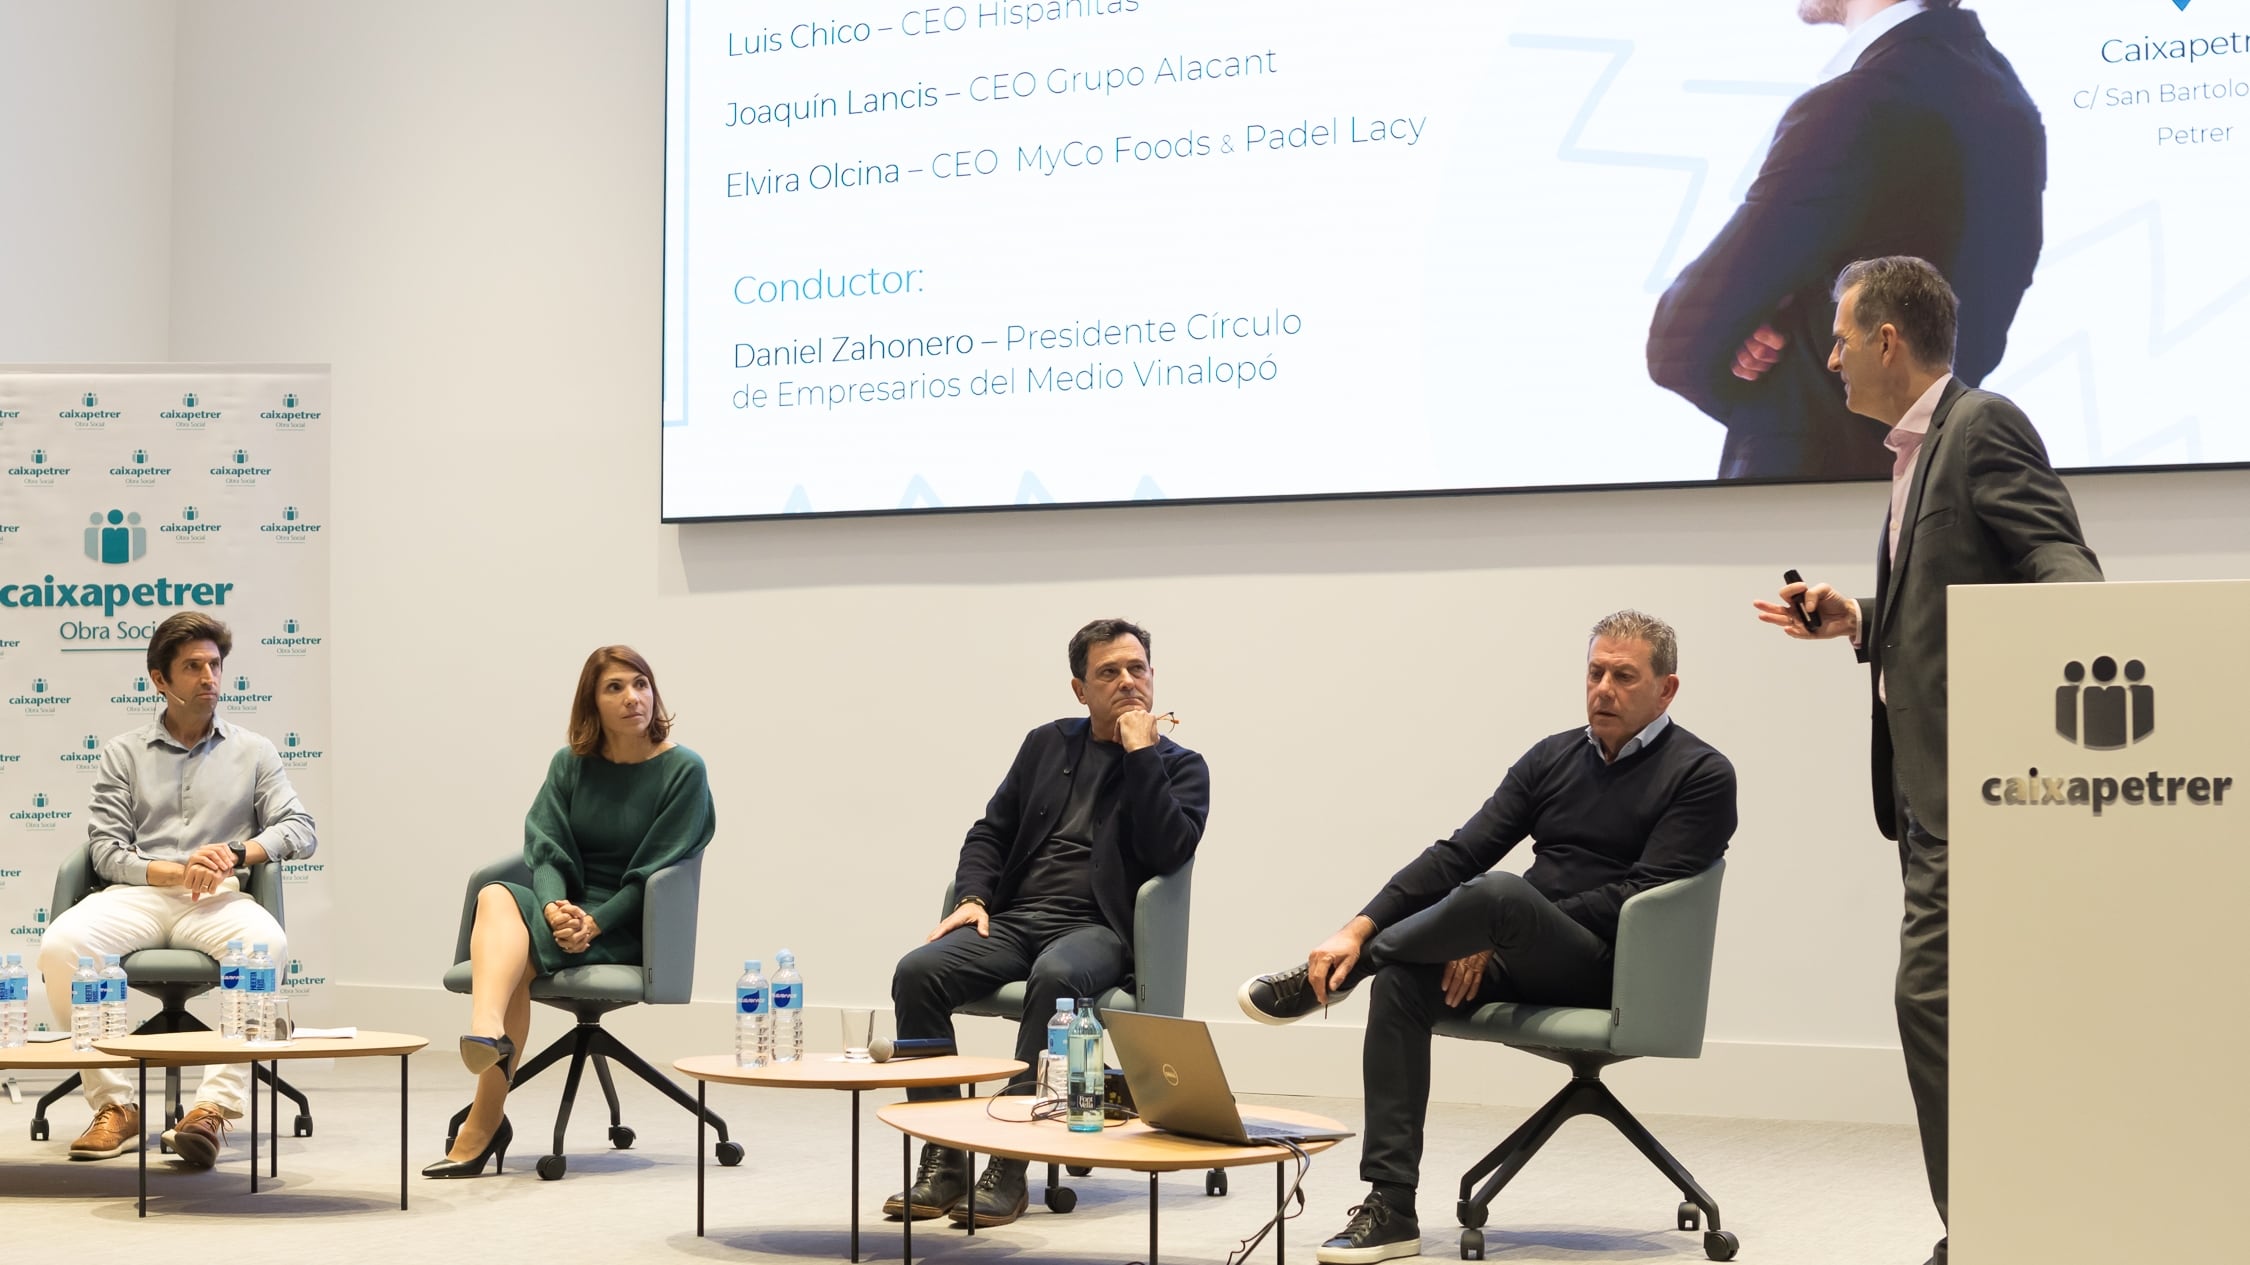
(1865,34)
(1646,736)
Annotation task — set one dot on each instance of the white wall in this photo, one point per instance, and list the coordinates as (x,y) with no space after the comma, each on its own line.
(459,208)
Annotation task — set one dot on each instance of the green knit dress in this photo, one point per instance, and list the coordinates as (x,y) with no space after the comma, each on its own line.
(595,834)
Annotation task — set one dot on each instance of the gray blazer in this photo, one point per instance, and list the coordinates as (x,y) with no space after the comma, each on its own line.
(1985,508)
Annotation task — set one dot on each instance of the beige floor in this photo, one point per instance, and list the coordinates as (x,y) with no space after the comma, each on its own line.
(1803,1194)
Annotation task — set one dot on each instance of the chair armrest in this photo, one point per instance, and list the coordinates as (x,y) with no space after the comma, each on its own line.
(506,870)
(1160,942)
(668,910)
(74,881)
(1661,987)
(265,888)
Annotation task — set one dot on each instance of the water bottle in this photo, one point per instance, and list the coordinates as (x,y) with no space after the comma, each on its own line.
(15,1002)
(788,1009)
(1054,1062)
(114,991)
(753,1018)
(1087,1073)
(85,1005)
(257,1024)
(232,985)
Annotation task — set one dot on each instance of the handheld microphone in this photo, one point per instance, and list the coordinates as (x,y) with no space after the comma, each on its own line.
(883,1049)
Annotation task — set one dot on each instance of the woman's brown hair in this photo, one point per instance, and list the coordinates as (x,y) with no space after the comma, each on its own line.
(586,718)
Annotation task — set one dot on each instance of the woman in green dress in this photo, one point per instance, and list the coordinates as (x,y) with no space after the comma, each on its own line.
(621,802)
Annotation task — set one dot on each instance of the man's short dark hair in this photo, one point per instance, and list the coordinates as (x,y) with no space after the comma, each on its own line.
(178,631)
(1911,296)
(1100,633)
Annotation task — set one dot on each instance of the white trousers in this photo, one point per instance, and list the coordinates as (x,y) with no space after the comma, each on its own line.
(124,918)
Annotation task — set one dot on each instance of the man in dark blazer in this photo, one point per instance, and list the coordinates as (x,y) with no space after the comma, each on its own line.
(1091,809)
(1927,146)
(1973,501)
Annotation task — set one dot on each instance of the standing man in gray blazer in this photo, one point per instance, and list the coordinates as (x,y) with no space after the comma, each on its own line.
(1973,501)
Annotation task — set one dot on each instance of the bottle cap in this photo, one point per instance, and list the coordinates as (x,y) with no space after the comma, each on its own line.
(1065,1005)
(234,944)
(752,967)
(85,964)
(110,959)
(257,948)
(786,958)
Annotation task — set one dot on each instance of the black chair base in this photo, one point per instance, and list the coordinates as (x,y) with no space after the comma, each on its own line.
(171,1022)
(1585,1095)
(589,1040)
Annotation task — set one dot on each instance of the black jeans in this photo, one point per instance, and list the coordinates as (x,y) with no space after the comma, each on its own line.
(1539,954)
(1058,957)
(1923,995)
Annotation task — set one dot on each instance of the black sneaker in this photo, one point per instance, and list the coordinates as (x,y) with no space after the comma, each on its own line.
(1284,997)
(1000,1197)
(1378,1232)
(938,1186)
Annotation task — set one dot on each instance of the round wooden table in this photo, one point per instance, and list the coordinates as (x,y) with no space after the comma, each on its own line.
(50,1056)
(1132,1145)
(196,1049)
(830,1071)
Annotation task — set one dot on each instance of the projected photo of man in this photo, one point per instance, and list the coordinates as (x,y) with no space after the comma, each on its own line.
(1919,141)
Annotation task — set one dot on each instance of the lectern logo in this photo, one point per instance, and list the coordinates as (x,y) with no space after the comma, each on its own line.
(2105,715)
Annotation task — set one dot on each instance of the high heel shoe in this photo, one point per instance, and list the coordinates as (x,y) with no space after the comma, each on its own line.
(496,1150)
(479,1053)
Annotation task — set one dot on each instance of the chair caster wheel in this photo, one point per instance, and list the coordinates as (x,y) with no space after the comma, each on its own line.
(39,1130)
(552,1167)
(1079,1170)
(1721,1245)
(621,1137)
(1215,1182)
(1472,1244)
(1691,1217)
(730,1154)
(1468,1214)
(302,1128)
(1061,1199)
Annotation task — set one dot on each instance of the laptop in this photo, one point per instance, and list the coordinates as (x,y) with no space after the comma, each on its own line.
(1173,1070)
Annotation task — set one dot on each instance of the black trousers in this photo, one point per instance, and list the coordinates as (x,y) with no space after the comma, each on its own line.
(1539,954)
(1923,996)
(1058,957)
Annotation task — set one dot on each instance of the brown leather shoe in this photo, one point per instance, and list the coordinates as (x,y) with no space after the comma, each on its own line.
(196,1139)
(116,1130)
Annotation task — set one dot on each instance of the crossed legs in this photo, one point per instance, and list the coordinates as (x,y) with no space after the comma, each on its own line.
(499,1003)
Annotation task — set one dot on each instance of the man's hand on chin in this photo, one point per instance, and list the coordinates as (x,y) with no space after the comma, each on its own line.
(1137,728)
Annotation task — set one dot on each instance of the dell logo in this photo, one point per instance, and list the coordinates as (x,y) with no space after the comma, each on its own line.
(1171,1076)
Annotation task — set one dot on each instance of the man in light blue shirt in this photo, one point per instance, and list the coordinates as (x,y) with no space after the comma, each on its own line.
(180,807)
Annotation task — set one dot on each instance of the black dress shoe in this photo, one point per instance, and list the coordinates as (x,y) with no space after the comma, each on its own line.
(1000,1196)
(496,1150)
(479,1053)
(938,1185)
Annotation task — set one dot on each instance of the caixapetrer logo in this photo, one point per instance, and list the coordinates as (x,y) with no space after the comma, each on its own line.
(40,699)
(295,979)
(293,526)
(190,415)
(140,696)
(40,814)
(242,697)
(192,527)
(2105,715)
(115,538)
(85,754)
(293,641)
(34,929)
(139,471)
(91,415)
(291,415)
(240,470)
(40,473)
(301,871)
(296,752)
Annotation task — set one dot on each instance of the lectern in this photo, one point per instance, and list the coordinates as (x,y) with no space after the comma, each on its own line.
(2100,809)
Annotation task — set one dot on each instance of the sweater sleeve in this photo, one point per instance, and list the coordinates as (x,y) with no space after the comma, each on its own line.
(548,847)
(1167,802)
(683,824)
(985,850)
(1476,847)
(1690,835)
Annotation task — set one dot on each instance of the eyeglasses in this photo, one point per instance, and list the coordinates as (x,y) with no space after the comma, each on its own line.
(1166,722)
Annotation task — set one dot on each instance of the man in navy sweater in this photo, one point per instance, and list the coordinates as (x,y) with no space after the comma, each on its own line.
(1629,801)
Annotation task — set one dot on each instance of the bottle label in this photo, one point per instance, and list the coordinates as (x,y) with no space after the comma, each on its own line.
(85,992)
(261,979)
(113,989)
(788,997)
(230,979)
(750,1001)
(1058,1040)
(13,989)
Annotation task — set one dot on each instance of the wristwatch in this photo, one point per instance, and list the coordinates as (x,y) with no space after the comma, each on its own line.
(241,856)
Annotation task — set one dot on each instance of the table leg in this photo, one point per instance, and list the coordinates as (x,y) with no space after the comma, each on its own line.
(1152,1219)
(253,1126)
(402,1133)
(969,1179)
(702,1133)
(273,1104)
(906,1212)
(1280,1213)
(855,1177)
(142,1125)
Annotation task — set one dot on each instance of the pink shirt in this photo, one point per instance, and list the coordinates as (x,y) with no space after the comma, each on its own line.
(1905,443)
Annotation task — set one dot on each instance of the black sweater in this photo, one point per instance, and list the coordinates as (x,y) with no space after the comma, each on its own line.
(1602,831)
